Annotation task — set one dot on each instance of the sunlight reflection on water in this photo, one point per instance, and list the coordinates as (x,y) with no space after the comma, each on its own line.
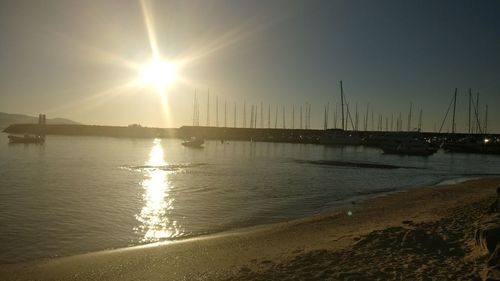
(154,216)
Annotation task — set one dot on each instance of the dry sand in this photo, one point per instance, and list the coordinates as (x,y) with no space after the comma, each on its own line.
(423,234)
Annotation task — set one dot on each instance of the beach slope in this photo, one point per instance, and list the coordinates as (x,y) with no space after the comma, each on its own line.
(423,233)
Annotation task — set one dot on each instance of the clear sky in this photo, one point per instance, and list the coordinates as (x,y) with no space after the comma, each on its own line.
(79,59)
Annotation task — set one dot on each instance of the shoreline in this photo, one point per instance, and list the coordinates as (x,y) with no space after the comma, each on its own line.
(248,251)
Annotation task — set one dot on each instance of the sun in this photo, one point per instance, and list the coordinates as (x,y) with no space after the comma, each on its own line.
(158,74)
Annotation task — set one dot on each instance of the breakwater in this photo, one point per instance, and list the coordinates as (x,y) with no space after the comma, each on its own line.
(227,133)
(93,130)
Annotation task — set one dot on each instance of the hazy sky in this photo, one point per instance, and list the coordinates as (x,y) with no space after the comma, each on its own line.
(73,58)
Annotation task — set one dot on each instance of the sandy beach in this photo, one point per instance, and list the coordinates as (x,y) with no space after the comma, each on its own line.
(424,234)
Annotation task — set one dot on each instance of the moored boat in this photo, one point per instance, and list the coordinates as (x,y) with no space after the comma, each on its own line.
(193,142)
(410,147)
(26,139)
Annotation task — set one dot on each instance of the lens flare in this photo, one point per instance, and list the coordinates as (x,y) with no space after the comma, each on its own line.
(159,74)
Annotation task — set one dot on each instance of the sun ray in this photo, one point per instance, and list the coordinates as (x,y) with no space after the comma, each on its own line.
(148,21)
(93,53)
(232,37)
(98,98)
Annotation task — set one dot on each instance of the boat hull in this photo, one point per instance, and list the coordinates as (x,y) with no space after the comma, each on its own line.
(27,139)
(410,152)
(416,148)
(194,143)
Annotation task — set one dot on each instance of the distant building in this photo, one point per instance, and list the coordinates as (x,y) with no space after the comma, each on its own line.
(42,119)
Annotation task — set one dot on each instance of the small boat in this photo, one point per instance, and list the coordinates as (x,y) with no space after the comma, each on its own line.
(26,139)
(193,142)
(410,147)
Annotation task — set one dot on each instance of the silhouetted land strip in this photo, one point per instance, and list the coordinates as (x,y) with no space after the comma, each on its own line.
(215,133)
(92,130)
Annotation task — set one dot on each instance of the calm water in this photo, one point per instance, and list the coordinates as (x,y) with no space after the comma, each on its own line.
(81,194)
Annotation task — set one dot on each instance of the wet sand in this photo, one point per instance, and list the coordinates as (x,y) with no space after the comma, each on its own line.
(425,233)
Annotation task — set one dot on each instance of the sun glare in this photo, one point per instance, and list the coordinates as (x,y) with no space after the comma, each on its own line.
(158,74)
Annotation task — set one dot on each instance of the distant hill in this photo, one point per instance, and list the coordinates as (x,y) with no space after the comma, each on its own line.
(7,119)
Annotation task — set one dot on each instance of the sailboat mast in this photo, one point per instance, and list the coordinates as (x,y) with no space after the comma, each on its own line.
(256,117)
(309,117)
(373,120)
(486,120)
(283,117)
(216,111)
(454,109)
(327,113)
(208,108)
(342,104)
(251,117)
(470,101)
(400,122)
(420,121)
(324,120)
(409,118)
(244,114)
(478,127)
(261,115)
(194,109)
(269,116)
(366,116)
(356,118)
(348,116)
(301,117)
(305,115)
(276,118)
(335,116)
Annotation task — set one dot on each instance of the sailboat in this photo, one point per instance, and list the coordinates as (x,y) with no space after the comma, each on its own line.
(194,142)
(26,139)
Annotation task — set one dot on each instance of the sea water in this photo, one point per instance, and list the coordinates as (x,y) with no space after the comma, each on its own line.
(75,195)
